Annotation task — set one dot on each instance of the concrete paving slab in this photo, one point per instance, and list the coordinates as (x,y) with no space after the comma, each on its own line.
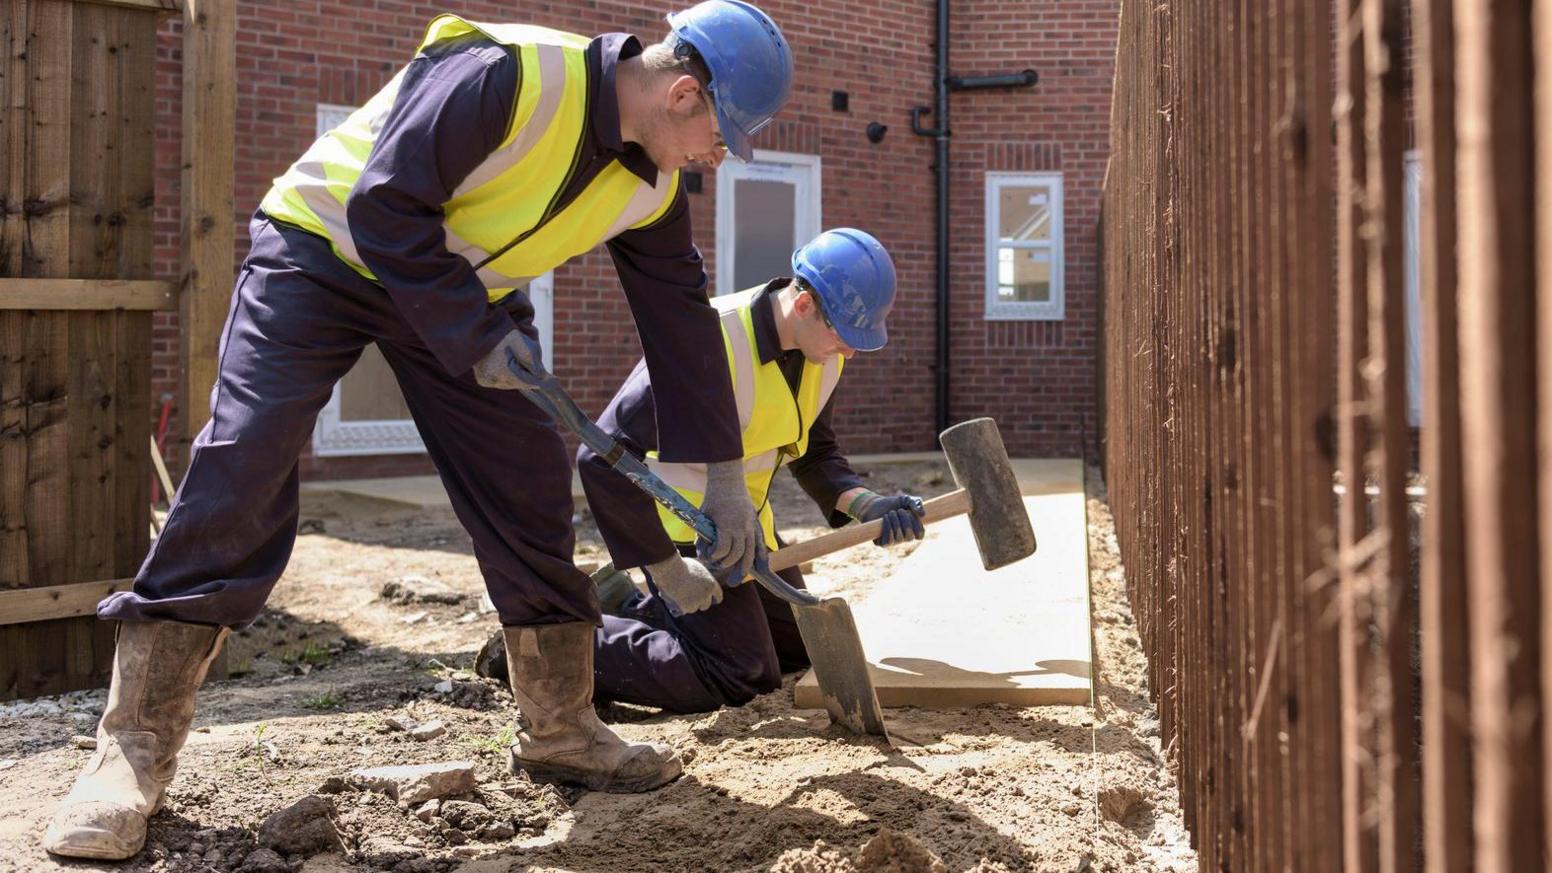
(426,492)
(945,633)
(419,492)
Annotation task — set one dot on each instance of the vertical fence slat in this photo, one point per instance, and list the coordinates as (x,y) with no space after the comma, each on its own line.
(1497,273)
(1443,604)
(1391,598)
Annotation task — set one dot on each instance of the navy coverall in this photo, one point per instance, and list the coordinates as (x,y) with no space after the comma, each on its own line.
(730,652)
(300,317)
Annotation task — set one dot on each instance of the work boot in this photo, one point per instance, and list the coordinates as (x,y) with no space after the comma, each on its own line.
(551,668)
(157,666)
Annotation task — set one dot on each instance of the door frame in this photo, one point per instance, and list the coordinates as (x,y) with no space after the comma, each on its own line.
(807,222)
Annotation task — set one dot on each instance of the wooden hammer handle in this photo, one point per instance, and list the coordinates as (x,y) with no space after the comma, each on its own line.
(938,508)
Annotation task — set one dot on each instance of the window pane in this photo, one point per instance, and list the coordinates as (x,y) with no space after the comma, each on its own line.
(1023,275)
(764,214)
(1024,213)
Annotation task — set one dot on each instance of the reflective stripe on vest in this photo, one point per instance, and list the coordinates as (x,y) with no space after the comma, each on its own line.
(503,217)
(773,419)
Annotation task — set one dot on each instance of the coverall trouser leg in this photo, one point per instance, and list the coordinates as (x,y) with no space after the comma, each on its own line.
(299,320)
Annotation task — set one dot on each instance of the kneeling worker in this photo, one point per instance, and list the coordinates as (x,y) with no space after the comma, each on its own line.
(691,646)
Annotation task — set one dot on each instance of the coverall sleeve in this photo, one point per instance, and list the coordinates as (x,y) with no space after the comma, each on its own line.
(450,113)
(627,517)
(823,472)
(665,285)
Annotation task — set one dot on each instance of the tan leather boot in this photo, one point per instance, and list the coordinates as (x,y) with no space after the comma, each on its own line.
(551,668)
(157,667)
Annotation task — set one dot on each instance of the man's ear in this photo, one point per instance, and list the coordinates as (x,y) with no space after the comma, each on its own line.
(805,304)
(684,93)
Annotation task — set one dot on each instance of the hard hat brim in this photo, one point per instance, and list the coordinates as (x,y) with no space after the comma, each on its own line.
(737,142)
(863,339)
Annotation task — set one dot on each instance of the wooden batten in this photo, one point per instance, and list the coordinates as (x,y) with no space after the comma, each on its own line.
(87,294)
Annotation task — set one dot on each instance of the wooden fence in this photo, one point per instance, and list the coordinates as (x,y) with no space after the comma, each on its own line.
(77,293)
(1348,661)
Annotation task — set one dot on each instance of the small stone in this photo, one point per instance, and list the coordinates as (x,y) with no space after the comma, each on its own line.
(1072,810)
(7,763)
(466,816)
(401,722)
(417,783)
(428,810)
(499,830)
(333,785)
(303,828)
(443,687)
(455,837)
(83,742)
(263,860)
(202,729)
(416,618)
(428,731)
(419,589)
(491,662)
(214,857)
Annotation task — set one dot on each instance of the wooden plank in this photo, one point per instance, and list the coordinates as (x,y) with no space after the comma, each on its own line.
(49,602)
(1443,602)
(88,294)
(1394,606)
(1320,707)
(163,7)
(13,132)
(1497,311)
(1360,839)
(209,119)
(1542,25)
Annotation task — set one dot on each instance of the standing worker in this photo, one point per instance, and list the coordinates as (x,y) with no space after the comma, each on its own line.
(499,153)
(687,648)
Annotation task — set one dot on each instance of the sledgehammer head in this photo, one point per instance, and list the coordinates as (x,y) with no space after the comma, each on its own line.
(997,515)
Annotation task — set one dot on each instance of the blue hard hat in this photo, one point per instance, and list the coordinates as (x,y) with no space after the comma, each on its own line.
(749,61)
(855,280)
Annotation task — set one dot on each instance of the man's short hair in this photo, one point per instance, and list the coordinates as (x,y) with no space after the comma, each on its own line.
(677,57)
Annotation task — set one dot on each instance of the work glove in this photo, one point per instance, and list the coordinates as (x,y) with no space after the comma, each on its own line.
(739,541)
(511,363)
(902,515)
(685,586)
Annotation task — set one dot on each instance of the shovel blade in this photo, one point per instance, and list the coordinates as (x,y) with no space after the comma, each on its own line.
(840,666)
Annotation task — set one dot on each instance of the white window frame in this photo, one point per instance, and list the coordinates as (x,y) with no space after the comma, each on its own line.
(1003,310)
(333,438)
(807,220)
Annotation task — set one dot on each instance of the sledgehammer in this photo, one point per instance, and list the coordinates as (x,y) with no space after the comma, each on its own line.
(988,491)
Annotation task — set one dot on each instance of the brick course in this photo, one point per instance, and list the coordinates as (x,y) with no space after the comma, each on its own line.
(1036,378)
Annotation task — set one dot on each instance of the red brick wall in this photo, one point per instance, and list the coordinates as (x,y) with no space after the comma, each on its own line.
(1035,377)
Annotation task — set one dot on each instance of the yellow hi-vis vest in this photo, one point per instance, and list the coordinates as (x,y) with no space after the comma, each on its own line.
(503,218)
(774,419)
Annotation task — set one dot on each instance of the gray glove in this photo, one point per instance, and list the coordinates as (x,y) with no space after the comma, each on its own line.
(728,506)
(685,585)
(502,366)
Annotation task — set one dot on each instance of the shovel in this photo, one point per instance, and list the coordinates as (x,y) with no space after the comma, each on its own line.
(826,624)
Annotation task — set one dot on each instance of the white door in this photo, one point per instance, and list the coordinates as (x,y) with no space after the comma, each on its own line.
(765,209)
(366,414)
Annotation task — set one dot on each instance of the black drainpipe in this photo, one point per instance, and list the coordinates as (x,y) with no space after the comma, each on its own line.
(942,84)
(940,136)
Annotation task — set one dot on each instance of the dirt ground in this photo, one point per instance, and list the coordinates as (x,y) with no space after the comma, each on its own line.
(317,680)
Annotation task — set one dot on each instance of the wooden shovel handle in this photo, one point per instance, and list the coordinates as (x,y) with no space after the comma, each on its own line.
(938,508)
